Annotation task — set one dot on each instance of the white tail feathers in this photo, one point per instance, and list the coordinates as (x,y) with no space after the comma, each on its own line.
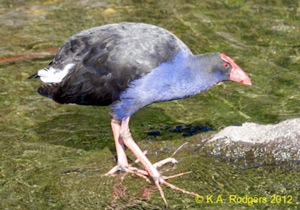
(49,75)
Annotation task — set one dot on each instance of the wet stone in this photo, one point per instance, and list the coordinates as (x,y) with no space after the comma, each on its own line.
(257,145)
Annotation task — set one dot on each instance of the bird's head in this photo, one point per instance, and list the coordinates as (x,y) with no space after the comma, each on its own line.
(219,67)
(236,74)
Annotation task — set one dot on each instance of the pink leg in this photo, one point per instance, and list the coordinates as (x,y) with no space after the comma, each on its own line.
(121,155)
(149,167)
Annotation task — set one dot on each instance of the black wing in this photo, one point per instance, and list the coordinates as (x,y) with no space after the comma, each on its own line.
(107,59)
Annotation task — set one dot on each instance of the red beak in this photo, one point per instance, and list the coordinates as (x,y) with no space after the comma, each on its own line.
(236,74)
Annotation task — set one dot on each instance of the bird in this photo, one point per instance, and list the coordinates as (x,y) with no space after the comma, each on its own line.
(128,66)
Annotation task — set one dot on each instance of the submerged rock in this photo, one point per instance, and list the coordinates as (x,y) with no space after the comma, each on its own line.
(257,145)
(256,133)
(185,130)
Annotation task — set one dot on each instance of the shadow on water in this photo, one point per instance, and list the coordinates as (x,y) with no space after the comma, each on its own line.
(88,128)
(80,129)
(53,156)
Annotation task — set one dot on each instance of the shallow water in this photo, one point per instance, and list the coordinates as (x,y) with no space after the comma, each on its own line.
(53,156)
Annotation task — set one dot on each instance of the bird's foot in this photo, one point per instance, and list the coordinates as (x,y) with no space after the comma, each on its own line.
(128,169)
(151,169)
(162,181)
(159,181)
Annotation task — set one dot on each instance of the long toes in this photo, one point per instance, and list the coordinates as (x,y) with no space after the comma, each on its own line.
(139,172)
(176,175)
(113,171)
(165,161)
(128,170)
(161,181)
(161,192)
(177,188)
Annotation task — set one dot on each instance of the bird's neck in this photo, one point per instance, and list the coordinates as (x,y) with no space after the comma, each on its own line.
(184,76)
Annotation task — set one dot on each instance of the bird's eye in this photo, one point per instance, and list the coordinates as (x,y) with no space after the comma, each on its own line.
(226,65)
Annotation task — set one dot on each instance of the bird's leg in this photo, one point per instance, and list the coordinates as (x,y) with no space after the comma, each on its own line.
(149,167)
(121,155)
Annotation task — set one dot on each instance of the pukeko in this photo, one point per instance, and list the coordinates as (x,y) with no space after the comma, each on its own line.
(129,66)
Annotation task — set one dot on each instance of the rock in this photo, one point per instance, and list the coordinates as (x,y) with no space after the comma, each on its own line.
(257,145)
(256,133)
